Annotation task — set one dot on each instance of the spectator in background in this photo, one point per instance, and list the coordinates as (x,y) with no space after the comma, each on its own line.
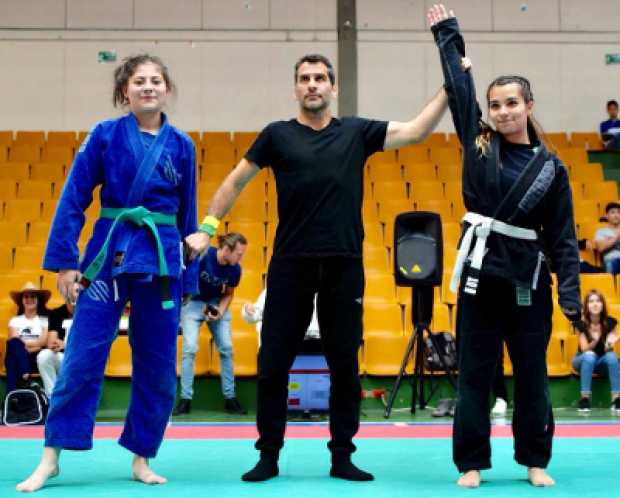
(219,274)
(50,358)
(607,240)
(597,337)
(27,335)
(610,129)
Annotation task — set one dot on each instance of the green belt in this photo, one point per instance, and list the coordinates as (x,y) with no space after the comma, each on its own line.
(139,216)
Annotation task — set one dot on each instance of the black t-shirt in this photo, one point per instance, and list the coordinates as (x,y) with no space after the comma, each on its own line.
(319,180)
(609,325)
(56,317)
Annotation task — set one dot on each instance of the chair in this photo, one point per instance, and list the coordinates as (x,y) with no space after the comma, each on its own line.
(591,172)
(601,191)
(558,139)
(373,233)
(14,171)
(384,351)
(22,210)
(382,316)
(248,211)
(242,140)
(49,209)
(214,172)
(253,231)
(452,140)
(385,172)
(220,154)
(13,234)
(440,206)
(250,286)
(6,257)
(450,172)
(25,152)
(216,138)
(573,156)
(420,172)
(436,140)
(389,190)
(254,259)
(445,155)
(586,211)
(40,190)
(379,287)
(195,136)
(413,154)
(53,172)
(61,139)
(603,282)
(375,258)
(30,138)
(558,362)
(38,232)
(4,153)
(58,154)
(388,209)
(119,362)
(8,189)
(424,191)
(370,212)
(451,232)
(383,159)
(6,137)
(255,191)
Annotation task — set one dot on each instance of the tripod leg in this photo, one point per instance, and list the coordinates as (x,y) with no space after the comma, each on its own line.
(401,374)
(418,371)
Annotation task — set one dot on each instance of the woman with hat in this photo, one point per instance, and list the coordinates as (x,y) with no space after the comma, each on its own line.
(27,334)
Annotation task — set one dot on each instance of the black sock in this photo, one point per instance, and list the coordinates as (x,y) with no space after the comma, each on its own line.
(266,468)
(344,468)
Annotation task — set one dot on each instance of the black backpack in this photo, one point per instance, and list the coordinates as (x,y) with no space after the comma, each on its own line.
(446,347)
(27,406)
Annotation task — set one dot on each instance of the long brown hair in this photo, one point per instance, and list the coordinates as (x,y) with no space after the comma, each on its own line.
(587,317)
(483,140)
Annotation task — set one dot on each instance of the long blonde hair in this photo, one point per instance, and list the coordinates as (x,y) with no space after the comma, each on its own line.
(483,140)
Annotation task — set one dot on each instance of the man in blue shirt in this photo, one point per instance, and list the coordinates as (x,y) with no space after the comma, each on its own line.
(219,274)
(610,129)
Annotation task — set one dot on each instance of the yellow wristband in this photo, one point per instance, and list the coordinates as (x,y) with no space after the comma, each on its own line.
(211,221)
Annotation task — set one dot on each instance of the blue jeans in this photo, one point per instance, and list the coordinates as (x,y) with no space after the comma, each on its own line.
(588,363)
(612,266)
(192,316)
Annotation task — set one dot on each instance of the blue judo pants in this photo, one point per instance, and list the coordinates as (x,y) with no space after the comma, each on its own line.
(153,333)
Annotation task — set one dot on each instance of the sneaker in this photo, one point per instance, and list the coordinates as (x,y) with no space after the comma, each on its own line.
(615,406)
(584,405)
(499,409)
(443,408)
(232,405)
(183,407)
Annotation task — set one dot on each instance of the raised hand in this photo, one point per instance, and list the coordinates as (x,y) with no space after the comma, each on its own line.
(438,13)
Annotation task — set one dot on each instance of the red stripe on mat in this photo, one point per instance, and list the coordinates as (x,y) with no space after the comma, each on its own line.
(317,431)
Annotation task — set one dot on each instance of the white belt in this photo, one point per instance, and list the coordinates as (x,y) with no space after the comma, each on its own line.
(481,226)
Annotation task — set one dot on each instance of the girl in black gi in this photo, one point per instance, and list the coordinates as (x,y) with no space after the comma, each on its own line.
(520,216)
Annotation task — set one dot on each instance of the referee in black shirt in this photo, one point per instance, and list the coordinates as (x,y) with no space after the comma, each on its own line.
(318,162)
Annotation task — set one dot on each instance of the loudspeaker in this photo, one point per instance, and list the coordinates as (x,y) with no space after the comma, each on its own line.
(418,249)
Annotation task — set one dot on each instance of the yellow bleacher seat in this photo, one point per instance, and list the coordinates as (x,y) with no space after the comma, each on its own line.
(255,191)
(29,259)
(586,140)
(6,257)
(586,211)
(373,233)
(245,351)
(379,287)
(453,190)
(451,232)
(602,282)
(254,258)
(41,190)
(384,159)
(61,138)
(370,211)
(219,154)
(441,206)
(49,209)
(560,326)
(383,352)
(216,138)
(119,361)
(8,190)
(196,138)
(420,172)
(250,286)
(253,210)
(591,172)
(452,140)
(423,191)
(242,140)
(558,362)
(388,209)
(81,136)
(4,153)
(376,258)
(57,154)
(445,155)
(28,153)
(413,154)
(385,172)
(38,232)
(205,191)
(6,137)
(54,172)
(577,190)
(382,191)
(14,171)
(441,320)
(22,210)
(30,138)
(458,208)
(253,231)
(13,234)
(382,316)
(573,156)
(214,172)
(601,191)
(559,140)
(436,140)
(450,172)
(447,296)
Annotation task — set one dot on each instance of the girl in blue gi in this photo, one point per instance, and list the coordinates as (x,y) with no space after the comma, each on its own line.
(146,169)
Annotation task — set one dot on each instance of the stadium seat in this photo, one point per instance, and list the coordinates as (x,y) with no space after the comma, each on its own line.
(591,172)
(435,140)
(445,155)
(380,172)
(219,154)
(601,191)
(558,362)
(22,210)
(424,191)
(379,287)
(382,191)
(25,152)
(388,209)
(216,138)
(53,172)
(57,154)
(61,139)
(450,172)
(420,172)
(440,206)
(40,190)
(242,140)
(8,190)
(382,316)
(253,231)
(4,153)
(376,258)
(14,171)
(559,140)
(30,138)
(6,137)
(413,154)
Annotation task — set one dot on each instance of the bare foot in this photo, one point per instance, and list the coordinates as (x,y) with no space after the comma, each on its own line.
(47,468)
(140,471)
(538,477)
(470,479)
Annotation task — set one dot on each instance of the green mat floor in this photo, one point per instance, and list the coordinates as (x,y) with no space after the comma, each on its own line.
(403,468)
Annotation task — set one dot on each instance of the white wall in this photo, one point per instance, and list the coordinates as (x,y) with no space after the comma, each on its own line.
(232,59)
